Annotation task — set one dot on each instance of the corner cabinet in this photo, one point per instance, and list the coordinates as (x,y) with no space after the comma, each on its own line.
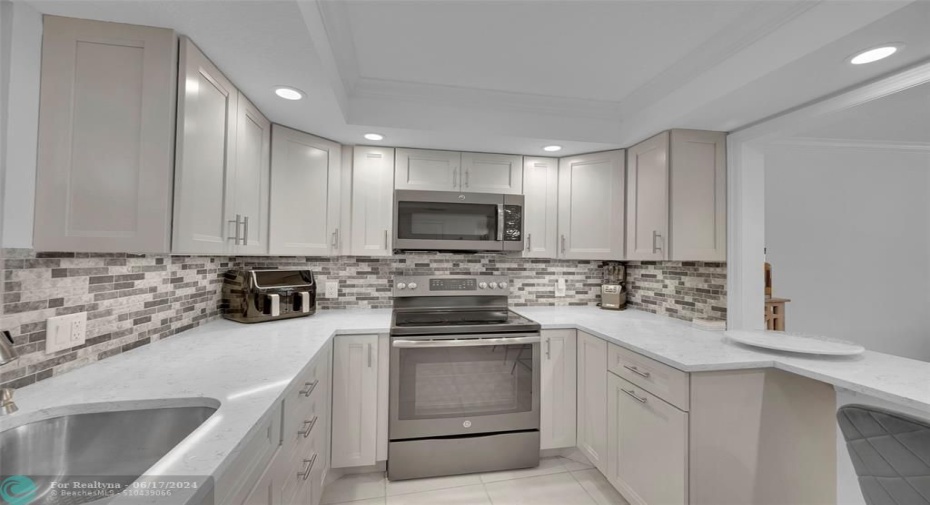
(372,201)
(591,206)
(540,207)
(106,137)
(592,399)
(355,400)
(305,184)
(558,389)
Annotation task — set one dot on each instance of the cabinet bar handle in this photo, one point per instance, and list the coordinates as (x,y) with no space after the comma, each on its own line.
(655,236)
(306,473)
(467,172)
(563,244)
(245,231)
(634,396)
(310,387)
(529,242)
(455,177)
(236,223)
(369,355)
(637,371)
(308,427)
(385,239)
(549,348)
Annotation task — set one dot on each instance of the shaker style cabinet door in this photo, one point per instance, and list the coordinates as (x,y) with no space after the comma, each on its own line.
(252,182)
(431,170)
(592,399)
(558,375)
(540,207)
(206,153)
(699,196)
(355,400)
(591,210)
(305,172)
(106,137)
(492,173)
(647,199)
(372,201)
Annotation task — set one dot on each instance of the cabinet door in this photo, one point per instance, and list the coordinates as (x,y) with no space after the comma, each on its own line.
(647,199)
(492,173)
(355,400)
(372,201)
(252,182)
(591,206)
(267,489)
(422,169)
(106,137)
(592,399)
(540,210)
(206,144)
(558,389)
(699,196)
(647,446)
(305,174)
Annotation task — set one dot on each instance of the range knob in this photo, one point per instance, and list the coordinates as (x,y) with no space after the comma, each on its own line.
(401,285)
(493,285)
(412,285)
(503,285)
(482,285)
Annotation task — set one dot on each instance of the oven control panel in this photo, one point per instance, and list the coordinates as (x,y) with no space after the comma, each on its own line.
(451,285)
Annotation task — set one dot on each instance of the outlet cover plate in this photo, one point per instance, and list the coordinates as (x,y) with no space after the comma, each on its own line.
(332,289)
(560,287)
(65,332)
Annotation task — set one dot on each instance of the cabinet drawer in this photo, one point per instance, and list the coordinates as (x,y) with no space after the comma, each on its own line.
(300,472)
(669,384)
(251,460)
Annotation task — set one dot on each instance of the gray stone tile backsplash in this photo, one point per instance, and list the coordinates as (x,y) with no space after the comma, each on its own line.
(132,300)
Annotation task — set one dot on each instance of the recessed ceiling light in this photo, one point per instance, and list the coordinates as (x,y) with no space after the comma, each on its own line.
(374,136)
(552,149)
(878,53)
(288,93)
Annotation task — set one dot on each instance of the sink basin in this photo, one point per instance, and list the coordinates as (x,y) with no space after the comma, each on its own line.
(119,446)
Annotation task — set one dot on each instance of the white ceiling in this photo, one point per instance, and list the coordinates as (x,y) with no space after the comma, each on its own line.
(515,75)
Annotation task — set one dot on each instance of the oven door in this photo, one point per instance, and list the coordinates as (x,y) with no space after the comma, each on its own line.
(464,384)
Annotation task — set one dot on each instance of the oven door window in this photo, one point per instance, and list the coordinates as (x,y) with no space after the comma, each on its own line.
(450,382)
(446,221)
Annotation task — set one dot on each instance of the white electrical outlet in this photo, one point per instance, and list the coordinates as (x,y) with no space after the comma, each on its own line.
(560,287)
(332,289)
(64,332)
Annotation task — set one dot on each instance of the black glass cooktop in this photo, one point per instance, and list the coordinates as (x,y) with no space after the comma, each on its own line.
(423,322)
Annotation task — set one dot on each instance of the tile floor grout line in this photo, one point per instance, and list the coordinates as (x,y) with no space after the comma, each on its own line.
(593,499)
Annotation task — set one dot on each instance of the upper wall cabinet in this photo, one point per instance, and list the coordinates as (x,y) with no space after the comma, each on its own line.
(433,170)
(647,199)
(106,137)
(252,181)
(305,185)
(492,173)
(698,187)
(372,201)
(591,211)
(540,207)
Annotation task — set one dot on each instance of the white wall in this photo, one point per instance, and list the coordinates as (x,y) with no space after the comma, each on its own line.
(848,237)
(22,37)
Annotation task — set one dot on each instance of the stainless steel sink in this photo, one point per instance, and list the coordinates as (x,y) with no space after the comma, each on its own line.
(119,446)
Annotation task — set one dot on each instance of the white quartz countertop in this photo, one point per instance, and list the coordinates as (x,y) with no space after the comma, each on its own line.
(245,368)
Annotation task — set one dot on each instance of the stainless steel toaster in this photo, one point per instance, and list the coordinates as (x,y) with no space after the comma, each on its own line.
(254,296)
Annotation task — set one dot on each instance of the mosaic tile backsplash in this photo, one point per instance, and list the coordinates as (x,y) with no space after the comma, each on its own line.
(132,300)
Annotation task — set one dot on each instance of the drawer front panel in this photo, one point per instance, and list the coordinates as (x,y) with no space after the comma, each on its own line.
(238,480)
(669,384)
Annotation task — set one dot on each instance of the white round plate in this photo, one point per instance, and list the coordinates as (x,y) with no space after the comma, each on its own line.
(795,342)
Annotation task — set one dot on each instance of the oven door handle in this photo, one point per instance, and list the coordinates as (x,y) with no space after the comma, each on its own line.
(500,222)
(470,342)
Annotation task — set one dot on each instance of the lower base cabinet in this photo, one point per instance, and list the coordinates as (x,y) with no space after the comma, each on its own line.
(355,401)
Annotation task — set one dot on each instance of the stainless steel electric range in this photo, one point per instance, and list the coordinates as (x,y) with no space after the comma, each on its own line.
(464,379)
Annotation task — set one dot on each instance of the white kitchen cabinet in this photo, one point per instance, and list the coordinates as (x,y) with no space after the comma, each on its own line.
(106,137)
(372,201)
(698,185)
(591,209)
(492,173)
(252,180)
(558,377)
(425,169)
(592,399)
(355,400)
(540,207)
(266,490)
(205,159)
(647,199)
(305,185)
(647,449)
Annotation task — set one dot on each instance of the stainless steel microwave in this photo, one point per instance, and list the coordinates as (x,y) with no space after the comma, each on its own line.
(452,221)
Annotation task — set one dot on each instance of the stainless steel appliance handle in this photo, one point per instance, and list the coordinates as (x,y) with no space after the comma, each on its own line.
(470,342)
(637,371)
(304,475)
(500,222)
(245,231)
(640,399)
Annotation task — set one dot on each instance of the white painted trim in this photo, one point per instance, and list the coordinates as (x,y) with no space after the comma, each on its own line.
(863,145)
(746,187)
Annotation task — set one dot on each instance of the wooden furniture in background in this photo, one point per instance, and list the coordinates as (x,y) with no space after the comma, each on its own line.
(775,313)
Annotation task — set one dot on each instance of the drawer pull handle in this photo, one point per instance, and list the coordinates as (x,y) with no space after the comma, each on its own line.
(637,371)
(633,395)
(310,387)
(308,427)
(306,473)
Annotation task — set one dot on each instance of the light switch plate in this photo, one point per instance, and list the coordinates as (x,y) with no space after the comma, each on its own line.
(332,289)
(560,287)
(65,332)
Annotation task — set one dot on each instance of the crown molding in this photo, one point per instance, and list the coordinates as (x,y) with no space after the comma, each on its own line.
(860,144)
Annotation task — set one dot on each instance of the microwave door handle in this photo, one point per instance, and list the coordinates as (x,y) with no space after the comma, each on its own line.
(500,222)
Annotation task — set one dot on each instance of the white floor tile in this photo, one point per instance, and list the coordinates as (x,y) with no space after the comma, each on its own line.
(572,465)
(466,495)
(430,484)
(349,488)
(597,486)
(558,489)
(372,501)
(547,466)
